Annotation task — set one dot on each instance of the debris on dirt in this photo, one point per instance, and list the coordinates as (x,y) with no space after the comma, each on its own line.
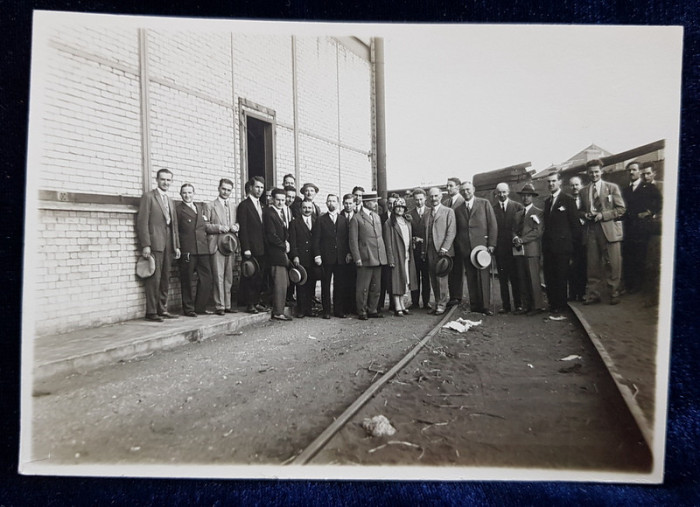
(135,448)
(571,369)
(378,426)
(235,333)
(461,325)
(530,365)
(312,338)
(394,442)
(557,317)
(267,368)
(571,357)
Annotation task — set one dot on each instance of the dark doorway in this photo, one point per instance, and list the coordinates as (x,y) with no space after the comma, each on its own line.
(259,153)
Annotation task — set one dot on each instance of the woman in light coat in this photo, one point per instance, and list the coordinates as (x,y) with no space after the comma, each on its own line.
(399,251)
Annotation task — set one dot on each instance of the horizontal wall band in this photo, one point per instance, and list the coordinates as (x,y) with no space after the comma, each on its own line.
(85,198)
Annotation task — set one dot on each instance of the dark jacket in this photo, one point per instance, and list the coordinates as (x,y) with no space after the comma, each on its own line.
(300,241)
(506,224)
(560,224)
(330,240)
(192,229)
(251,232)
(275,236)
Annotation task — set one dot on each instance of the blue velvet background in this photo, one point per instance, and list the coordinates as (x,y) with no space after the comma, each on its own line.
(682,476)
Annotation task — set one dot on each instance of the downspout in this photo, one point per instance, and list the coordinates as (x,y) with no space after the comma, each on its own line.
(380,115)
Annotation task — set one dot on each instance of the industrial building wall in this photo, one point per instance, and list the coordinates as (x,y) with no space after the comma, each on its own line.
(116,100)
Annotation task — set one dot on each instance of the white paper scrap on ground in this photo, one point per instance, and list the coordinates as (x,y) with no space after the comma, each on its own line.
(570,358)
(378,426)
(557,317)
(461,325)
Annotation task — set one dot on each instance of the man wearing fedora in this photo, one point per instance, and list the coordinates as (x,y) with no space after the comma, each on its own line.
(277,247)
(455,279)
(476,228)
(309,191)
(301,232)
(252,238)
(222,223)
(332,252)
(560,227)
(506,210)
(603,209)
(526,245)
(156,227)
(369,253)
(195,255)
(440,232)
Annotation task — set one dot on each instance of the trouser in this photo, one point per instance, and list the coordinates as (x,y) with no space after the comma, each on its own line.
(577,272)
(157,284)
(478,285)
(385,288)
(556,271)
(222,270)
(634,258)
(335,272)
(507,273)
(604,262)
(367,288)
(305,293)
(440,284)
(250,287)
(280,281)
(456,279)
(423,279)
(188,264)
(528,269)
(348,295)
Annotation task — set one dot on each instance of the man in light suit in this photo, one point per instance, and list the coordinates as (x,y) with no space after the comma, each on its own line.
(560,228)
(222,220)
(456,277)
(192,221)
(156,227)
(603,209)
(277,247)
(418,240)
(476,226)
(369,253)
(527,233)
(506,211)
(252,237)
(440,232)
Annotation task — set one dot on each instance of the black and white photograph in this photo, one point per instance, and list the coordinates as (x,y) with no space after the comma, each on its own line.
(348,251)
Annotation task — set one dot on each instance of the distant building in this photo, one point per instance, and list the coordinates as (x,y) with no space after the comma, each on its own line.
(583,156)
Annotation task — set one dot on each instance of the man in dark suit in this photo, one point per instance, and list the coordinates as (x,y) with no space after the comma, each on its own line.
(301,232)
(385,286)
(577,271)
(277,247)
(527,234)
(332,252)
(369,253)
(349,270)
(476,226)
(506,211)
(156,227)
(560,227)
(603,209)
(418,240)
(252,237)
(222,220)
(456,277)
(194,257)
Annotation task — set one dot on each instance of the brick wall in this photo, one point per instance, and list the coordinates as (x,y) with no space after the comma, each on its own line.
(92,143)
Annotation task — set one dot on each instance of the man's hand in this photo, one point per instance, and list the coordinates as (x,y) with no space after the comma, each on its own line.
(491,249)
(392,266)
(286,247)
(224,228)
(296,262)
(358,263)
(235,228)
(348,258)
(246,254)
(317,260)
(598,217)
(177,253)
(146,252)
(442,252)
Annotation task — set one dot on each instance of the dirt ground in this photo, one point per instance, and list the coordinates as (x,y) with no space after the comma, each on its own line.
(499,395)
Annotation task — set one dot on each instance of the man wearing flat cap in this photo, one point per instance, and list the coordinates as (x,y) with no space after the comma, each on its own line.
(476,227)
(222,220)
(526,235)
(156,227)
(369,253)
(195,254)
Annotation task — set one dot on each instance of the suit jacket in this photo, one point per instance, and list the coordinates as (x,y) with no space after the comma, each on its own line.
(251,232)
(331,240)
(301,241)
(459,200)
(366,241)
(475,228)
(613,208)
(529,229)
(442,228)
(506,223)
(151,225)
(275,236)
(646,198)
(192,229)
(417,223)
(560,224)
(216,214)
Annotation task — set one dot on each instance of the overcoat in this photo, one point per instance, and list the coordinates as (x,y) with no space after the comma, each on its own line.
(396,255)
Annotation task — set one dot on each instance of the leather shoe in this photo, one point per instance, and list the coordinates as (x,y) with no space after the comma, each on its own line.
(153,317)
(375,315)
(326,315)
(167,315)
(504,310)
(432,311)
(261,308)
(487,312)
(190,314)
(281,317)
(439,312)
(406,312)
(231,310)
(204,312)
(251,309)
(362,316)
(591,301)
(520,311)
(452,302)
(398,313)
(614,300)
(340,315)
(220,311)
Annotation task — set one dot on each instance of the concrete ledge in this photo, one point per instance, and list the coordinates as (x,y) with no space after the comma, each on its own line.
(89,349)
(622,384)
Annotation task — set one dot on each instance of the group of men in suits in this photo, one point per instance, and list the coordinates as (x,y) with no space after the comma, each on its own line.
(578,238)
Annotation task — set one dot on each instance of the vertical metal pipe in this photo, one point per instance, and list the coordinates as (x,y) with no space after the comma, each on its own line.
(380,115)
(295,105)
(145,111)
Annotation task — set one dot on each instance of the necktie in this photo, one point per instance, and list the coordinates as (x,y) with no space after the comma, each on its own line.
(258,208)
(333,217)
(308,222)
(596,199)
(503,207)
(228,213)
(167,208)
(283,217)
(553,200)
